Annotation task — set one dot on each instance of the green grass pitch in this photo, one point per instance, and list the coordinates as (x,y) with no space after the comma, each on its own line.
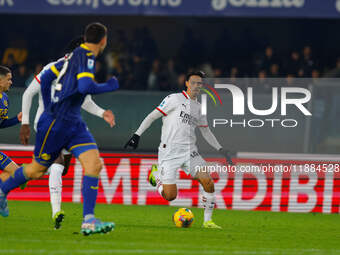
(149,230)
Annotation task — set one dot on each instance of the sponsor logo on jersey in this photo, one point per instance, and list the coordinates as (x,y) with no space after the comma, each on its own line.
(90,63)
(46,156)
(186,118)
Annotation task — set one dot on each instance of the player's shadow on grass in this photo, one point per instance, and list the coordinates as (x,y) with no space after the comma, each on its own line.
(144,226)
(168,227)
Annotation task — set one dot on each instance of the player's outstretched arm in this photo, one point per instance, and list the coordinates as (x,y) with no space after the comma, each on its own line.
(91,107)
(11,122)
(27,97)
(134,140)
(211,139)
(86,85)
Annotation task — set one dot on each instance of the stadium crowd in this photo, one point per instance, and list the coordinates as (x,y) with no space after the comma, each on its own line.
(138,64)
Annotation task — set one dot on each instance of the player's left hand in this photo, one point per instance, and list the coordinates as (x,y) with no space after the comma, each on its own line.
(226,154)
(19,116)
(109,117)
(24,134)
(133,142)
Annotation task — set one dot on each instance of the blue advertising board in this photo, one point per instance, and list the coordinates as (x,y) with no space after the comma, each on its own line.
(215,8)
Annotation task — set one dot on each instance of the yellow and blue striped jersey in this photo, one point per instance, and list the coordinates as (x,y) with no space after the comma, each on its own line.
(3,106)
(63,99)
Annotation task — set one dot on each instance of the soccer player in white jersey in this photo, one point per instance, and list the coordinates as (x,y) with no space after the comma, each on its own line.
(181,114)
(60,166)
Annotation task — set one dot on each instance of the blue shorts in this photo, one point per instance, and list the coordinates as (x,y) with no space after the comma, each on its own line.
(4,161)
(53,135)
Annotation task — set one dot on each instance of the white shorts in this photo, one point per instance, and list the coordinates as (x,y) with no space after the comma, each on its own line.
(190,164)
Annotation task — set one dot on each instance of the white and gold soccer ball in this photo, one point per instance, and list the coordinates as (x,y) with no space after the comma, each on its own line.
(183,218)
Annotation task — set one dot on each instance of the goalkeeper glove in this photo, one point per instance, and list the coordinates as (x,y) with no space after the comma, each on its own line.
(133,142)
(226,154)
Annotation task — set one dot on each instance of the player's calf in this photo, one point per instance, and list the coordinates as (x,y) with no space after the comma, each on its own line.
(169,191)
(208,185)
(67,162)
(55,186)
(208,198)
(4,212)
(92,165)
(91,162)
(35,170)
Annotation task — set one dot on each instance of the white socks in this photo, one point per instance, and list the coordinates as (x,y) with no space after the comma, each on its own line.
(55,184)
(160,189)
(208,200)
(159,185)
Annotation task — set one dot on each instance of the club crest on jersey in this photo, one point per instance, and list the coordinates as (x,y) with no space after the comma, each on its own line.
(90,63)
(45,156)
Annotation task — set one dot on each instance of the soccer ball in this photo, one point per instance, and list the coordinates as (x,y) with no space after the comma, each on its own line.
(183,218)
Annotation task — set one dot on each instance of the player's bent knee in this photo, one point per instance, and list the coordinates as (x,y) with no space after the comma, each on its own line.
(169,191)
(34,170)
(35,175)
(170,197)
(208,185)
(91,162)
(94,167)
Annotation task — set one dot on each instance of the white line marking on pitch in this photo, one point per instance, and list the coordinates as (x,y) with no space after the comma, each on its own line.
(174,251)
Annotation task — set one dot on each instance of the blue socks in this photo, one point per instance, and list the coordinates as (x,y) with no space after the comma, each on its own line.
(90,191)
(14,181)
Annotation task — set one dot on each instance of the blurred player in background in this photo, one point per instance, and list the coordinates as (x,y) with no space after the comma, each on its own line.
(6,164)
(181,114)
(61,164)
(61,126)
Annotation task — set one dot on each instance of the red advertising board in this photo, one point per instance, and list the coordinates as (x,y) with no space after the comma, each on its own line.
(262,184)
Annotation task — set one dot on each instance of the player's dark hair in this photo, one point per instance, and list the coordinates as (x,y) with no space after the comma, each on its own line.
(95,32)
(4,70)
(72,45)
(198,73)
